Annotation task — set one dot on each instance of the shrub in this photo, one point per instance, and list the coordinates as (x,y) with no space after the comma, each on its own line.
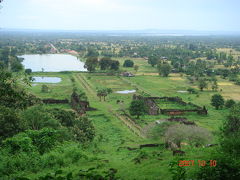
(237,82)
(10,122)
(83,130)
(45,89)
(44,139)
(192,90)
(18,143)
(66,118)
(128,63)
(37,117)
(192,134)
(28,71)
(232,124)
(230,103)
(217,101)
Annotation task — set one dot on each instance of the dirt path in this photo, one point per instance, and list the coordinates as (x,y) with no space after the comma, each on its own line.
(91,94)
(55,49)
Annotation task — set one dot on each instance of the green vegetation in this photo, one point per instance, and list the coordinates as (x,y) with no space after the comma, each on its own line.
(107,140)
(137,108)
(128,63)
(217,101)
(164,68)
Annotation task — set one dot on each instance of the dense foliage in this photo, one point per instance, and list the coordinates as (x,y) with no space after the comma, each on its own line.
(137,108)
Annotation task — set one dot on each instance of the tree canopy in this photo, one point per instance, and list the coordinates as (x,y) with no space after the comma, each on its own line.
(128,63)
(153,60)
(164,68)
(91,63)
(137,108)
(217,101)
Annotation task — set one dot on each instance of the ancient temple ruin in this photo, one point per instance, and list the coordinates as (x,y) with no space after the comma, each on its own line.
(78,105)
(154,109)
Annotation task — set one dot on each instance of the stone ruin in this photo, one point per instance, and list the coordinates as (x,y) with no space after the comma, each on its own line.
(55,101)
(182,120)
(78,105)
(151,105)
(153,108)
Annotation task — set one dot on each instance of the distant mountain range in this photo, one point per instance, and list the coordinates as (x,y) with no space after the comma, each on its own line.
(146,32)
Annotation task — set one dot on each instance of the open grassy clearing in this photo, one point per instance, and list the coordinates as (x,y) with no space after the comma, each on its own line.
(60,90)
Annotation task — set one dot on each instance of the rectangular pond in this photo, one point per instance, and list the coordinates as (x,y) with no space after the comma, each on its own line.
(52,62)
(38,79)
(126,91)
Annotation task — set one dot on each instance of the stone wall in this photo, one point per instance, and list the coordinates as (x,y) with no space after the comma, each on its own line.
(153,108)
(55,101)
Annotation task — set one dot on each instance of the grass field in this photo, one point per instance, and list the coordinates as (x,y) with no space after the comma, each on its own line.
(114,130)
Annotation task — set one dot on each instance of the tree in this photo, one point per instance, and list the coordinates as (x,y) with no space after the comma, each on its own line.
(12,94)
(108,63)
(164,69)
(103,93)
(192,134)
(28,71)
(137,108)
(45,139)
(104,63)
(10,122)
(16,66)
(225,73)
(232,124)
(92,53)
(202,83)
(152,60)
(192,90)
(215,86)
(228,153)
(91,63)
(217,101)
(230,103)
(128,63)
(37,117)
(114,65)
(66,118)
(83,129)
(136,67)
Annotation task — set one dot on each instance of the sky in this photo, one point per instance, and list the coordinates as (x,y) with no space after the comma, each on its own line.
(201,15)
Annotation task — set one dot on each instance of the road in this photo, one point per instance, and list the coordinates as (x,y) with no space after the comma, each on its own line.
(53,47)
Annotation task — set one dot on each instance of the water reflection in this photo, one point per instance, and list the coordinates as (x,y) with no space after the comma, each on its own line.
(38,79)
(52,63)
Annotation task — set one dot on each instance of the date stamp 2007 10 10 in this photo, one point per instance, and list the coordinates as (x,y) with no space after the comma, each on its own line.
(212,163)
